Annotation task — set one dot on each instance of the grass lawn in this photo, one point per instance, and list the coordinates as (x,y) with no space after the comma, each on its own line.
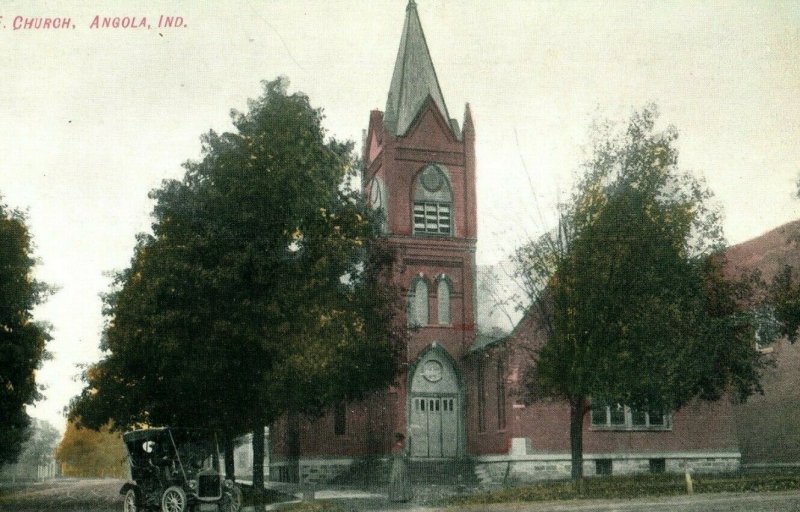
(621,487)
(311,506)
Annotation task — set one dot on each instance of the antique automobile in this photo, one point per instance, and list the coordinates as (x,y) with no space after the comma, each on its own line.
(176,470)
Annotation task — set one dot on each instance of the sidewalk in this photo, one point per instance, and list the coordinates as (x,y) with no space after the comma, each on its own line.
(359,498)
(426,497)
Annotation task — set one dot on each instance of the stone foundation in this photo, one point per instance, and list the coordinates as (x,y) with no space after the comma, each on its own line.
(530,467)
(311,471)
(513,468)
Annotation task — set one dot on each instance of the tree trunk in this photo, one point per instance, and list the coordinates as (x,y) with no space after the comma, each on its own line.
(293,448)
(230,469)
(258,457)
(577,408)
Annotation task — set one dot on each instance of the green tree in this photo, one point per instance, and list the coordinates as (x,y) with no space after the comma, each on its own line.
(22,340)
(783,295)
(262,290)
(630,290)
(783,303)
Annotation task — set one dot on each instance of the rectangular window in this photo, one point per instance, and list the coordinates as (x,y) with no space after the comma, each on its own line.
(481,400)
(603,467)
(431,218)
(655,418)
(638,418)
(599,413)
(658,466)
(501,396)
(340,419)
(615,416)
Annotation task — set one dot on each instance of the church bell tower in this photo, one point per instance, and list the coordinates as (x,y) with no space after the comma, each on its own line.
(420,171)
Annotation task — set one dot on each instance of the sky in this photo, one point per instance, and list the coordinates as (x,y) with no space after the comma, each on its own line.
(93,118)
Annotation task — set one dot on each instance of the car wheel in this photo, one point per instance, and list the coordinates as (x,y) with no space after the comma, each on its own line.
(131,503)
(173,500)
(232,500)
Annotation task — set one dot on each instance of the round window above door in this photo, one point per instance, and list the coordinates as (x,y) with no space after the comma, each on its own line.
(432,371)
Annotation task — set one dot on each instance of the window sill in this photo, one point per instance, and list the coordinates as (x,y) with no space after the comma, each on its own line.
(625,428)
(433,235)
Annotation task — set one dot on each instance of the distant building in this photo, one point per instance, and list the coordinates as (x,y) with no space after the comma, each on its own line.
(456,400)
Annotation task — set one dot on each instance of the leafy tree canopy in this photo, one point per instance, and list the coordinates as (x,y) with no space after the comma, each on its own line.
(783,304)
(22,340)
(630,287)
(782,300)
(258,291)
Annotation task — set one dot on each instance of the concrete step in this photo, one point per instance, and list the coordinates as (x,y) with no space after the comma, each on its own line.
(429,472)
(443,472)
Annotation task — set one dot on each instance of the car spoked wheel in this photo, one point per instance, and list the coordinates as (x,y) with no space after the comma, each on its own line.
(131,503)
(173,500)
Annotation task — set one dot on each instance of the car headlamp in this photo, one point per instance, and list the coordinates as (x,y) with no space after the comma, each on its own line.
(193,484)
(228,484)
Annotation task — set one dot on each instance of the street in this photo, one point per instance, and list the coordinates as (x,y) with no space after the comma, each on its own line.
(101,495)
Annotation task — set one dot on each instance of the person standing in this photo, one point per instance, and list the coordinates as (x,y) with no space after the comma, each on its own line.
(399,479)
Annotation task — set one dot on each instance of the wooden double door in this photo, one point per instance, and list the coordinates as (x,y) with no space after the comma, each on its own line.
(434,422)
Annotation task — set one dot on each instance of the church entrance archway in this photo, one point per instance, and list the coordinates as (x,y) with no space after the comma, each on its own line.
(435,407)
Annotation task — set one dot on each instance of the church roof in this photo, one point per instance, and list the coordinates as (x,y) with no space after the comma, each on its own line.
(414,78)
(485,340)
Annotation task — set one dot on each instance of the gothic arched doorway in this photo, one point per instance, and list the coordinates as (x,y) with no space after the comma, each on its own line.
(435,407)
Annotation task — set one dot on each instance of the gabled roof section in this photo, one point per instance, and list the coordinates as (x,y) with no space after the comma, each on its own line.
(413,80)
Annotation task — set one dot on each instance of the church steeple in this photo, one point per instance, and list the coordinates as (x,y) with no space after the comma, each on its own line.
(414,79)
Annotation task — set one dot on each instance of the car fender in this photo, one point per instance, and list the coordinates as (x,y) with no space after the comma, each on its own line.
(129,485)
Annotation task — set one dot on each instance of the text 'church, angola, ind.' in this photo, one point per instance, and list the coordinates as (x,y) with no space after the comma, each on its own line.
(455,401)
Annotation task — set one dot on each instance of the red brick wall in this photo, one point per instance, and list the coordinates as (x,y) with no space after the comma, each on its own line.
(494,438)
(699,426)
(369,430)
(398,161)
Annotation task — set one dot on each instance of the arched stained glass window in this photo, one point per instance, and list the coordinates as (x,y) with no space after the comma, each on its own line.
(418,303)
(443,301)
(378,199)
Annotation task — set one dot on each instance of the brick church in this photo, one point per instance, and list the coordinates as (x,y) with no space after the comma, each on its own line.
(456,400)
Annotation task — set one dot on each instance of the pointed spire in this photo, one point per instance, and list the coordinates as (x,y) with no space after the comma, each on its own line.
(468,118)
(414,78)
